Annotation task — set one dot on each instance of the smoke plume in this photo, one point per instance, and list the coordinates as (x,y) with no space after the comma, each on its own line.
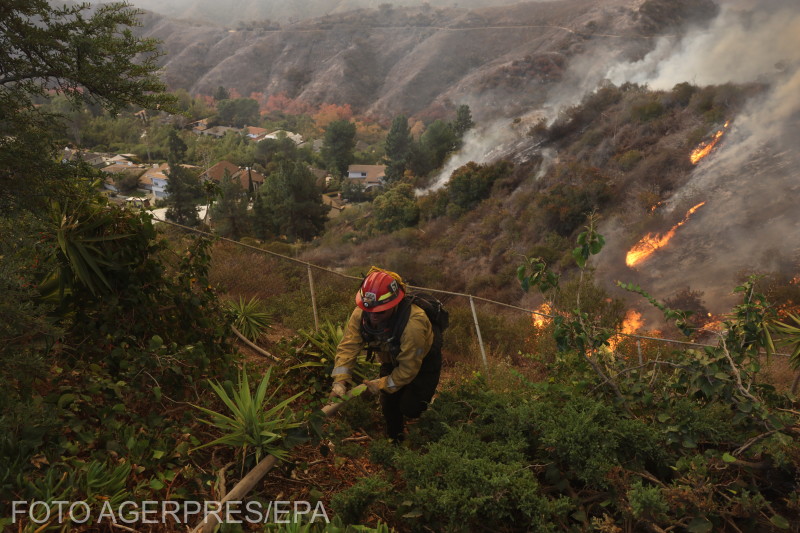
(750,182)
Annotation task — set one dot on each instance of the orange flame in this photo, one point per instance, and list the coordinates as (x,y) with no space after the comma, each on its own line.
(705,148)
(539,320)
(632,323)
(652,242)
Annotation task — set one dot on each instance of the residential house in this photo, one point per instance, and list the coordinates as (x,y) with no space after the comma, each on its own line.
(93,159)
(199,126)
(368,176)
(115,170)
(277,134)
(254,134)
(155,180)
(245,175)
(120,159)
(218,131)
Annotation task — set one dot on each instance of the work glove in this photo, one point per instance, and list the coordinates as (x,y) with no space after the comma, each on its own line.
(373,386)
(338,390)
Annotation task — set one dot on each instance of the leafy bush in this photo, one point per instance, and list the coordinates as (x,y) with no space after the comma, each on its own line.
(352,503)
(647,110)
(463,481)
(472,183)
(395,209)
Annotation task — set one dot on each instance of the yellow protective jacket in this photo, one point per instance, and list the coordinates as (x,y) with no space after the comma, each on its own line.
(415,343)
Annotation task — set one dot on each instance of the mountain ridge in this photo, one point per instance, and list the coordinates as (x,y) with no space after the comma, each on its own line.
(388,61)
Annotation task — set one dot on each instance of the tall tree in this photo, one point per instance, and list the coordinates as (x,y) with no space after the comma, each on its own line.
(261,222)
(238,112)
(463,121)
(439,140)
(185,191)
(221,93)
(177,148)
(183,186)
(229,214)
(398,149)
(82,53)
(294,203)
(338,146)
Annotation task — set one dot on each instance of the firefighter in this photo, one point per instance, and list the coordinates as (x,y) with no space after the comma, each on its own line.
(407,344)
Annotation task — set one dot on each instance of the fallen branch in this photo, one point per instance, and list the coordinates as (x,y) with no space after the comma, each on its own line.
(254,346)
(356,439)
(237,493)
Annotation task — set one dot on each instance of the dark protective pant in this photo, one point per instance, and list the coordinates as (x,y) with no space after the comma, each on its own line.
(410,401)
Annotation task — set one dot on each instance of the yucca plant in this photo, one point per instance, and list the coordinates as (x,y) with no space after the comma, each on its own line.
(249,317)
(323,352)
(790,331)
(252,424)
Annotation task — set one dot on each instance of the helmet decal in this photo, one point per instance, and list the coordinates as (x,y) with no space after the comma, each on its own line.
(368,298)
(379,291)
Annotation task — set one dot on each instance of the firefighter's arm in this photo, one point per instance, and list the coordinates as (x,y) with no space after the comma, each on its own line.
(348,349)
(415,344)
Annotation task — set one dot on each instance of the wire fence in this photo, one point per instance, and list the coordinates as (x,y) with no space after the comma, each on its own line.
(325,288)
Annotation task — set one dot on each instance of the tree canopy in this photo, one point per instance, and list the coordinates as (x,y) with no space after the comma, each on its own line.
(338,146)
(294,204)
(87,54)
(398,148)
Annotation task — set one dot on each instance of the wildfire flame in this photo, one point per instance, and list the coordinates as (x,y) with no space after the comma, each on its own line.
(539,320)
(705,148)
(653,241)
(632,323)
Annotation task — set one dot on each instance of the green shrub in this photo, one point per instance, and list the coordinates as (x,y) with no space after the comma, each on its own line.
(647,501)
(646,111)
(462,482)
(352,503)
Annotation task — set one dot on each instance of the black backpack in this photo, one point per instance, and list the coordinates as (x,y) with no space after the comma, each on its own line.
(434,308)
(435,311)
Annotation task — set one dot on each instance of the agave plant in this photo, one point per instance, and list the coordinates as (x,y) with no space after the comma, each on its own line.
(250,318)
(323,352)
(251,422)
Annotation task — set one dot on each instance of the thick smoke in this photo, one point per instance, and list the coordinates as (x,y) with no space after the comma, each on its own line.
(750,182)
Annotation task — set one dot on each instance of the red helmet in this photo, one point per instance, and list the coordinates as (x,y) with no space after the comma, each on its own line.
(379,291)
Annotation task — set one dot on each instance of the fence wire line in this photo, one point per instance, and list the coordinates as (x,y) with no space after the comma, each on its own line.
(428,289)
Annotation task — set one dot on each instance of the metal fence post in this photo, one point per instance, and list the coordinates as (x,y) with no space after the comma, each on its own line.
(313,299)
(478,331)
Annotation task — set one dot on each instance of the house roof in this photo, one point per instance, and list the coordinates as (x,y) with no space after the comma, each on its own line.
(155,172)
(218,131)
(296,137)
(217,172)
(117,168)
(253,131)
(374,173)
(93,158)
(246,174)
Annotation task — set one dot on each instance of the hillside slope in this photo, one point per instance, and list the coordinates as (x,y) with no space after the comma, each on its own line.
(415,60)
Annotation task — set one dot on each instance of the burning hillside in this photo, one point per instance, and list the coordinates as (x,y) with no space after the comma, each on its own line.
(653,241)
(705,148)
